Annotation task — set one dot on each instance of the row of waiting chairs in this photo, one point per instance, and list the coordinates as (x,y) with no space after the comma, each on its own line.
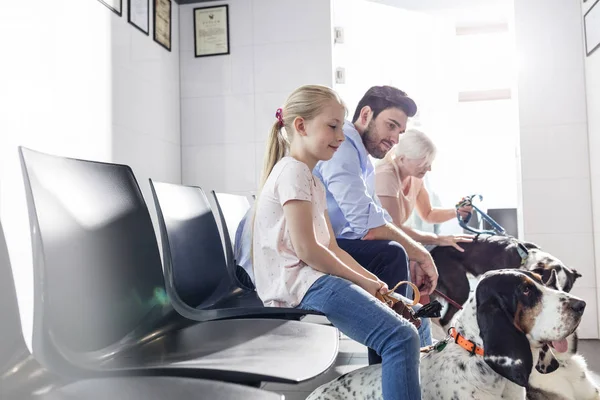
(106,313)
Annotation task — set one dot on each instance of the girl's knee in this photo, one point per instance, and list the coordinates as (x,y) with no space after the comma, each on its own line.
(405,338)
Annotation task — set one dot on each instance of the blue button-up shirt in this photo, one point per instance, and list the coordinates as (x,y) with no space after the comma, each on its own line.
(349,178)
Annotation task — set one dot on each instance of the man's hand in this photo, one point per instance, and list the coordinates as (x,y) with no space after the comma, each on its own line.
(424,274)
(453,240)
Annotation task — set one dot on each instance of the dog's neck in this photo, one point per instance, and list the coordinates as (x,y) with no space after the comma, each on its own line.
(465,322)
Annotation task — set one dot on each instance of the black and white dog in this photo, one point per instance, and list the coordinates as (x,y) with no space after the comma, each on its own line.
(487,253)
(510,317)
(560,372)
(572,379)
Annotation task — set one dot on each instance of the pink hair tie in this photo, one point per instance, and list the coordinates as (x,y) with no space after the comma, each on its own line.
(279,116)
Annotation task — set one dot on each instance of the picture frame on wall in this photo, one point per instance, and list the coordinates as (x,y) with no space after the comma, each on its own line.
(162,23)
(138,14)
(591,29)
(211,31)
(115,6)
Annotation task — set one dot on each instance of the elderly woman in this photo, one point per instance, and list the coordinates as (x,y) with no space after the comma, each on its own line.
(399,186)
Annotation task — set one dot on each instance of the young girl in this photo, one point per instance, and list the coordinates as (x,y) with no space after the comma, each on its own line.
(297,262)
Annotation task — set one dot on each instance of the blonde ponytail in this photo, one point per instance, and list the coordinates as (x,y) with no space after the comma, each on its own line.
(277,148)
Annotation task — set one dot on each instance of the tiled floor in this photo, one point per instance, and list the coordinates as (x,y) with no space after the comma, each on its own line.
(353,355)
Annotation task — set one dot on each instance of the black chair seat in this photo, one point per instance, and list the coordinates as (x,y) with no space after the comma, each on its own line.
(158,388)
(241,350)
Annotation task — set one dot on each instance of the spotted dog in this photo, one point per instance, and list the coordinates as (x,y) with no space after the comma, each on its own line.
(492,252)
(510,316)
(560,372)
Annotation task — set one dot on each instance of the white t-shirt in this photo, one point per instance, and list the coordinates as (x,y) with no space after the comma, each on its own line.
(282,279)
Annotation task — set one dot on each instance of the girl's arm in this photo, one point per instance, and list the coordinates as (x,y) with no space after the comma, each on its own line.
(299,219)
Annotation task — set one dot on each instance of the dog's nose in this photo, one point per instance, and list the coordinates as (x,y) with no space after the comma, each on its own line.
(577,305)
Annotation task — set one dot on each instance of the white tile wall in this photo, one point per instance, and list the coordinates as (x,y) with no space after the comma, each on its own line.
(220,167)
(573,250)
(592,76)
(229,102)
(81,82)
(555,154)
(547,158)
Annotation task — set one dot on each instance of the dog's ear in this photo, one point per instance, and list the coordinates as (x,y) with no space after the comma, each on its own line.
(552,281)
(547,363)
(529,245)
(506,348)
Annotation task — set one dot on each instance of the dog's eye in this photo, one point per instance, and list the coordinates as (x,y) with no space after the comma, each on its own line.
(526,290)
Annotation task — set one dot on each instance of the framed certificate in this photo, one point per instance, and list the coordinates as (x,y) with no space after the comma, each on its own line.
(138,14)
(211,31)
(162,23)
(114,5)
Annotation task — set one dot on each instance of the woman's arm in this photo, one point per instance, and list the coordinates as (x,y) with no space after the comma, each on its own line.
(298,215)
(428,213)
(393,207)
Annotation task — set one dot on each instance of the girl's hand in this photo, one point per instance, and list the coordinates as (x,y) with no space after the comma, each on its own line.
(374,286)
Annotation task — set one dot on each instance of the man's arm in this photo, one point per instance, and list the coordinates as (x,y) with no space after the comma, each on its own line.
(342,176)
(393,207)
(415,251)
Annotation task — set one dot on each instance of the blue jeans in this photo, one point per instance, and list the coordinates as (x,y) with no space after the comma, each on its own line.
(368,321)
(384,258)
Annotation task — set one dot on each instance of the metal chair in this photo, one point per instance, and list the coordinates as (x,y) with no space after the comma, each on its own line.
(22,377)
(100,302)
(201,283)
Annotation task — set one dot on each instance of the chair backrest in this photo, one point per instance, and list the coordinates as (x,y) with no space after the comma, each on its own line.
(231,209)
(12,345)
(20,373)
(195,265)
(97,269)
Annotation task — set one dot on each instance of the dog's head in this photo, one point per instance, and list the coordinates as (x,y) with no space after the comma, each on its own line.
(516,312)
(544,263)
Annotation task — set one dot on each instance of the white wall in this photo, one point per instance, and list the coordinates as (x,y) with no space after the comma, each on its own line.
(557,206)
(592,80)
(228,102)
(82,82)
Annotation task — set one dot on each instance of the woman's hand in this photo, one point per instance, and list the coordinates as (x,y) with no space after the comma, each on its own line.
(463,211)
(453,240)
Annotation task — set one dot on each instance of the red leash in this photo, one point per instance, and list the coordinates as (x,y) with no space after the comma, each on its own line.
(448,299)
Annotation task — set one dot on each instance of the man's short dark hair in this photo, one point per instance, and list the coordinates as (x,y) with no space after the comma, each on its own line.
(381,98)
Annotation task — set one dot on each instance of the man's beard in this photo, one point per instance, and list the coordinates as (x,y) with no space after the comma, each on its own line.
(371,142)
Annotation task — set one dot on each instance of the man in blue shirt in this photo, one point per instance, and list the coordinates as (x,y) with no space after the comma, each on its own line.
(362,227)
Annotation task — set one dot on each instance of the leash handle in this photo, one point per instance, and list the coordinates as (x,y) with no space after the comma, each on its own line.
(497,229)
(389,297)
